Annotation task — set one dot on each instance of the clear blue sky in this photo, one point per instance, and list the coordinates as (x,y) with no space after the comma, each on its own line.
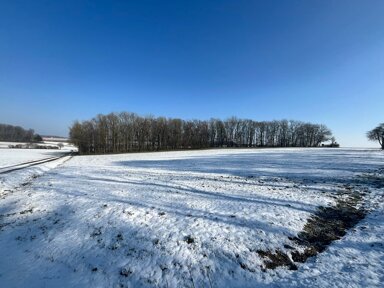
(318,61)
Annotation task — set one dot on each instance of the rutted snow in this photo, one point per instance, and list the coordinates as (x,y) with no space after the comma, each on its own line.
(183,219)
(10,157)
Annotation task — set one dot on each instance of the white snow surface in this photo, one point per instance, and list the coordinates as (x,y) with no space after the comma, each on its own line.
(11,157)
(185,219)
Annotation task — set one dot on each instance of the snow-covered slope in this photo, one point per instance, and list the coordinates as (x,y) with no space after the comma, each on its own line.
(185,219)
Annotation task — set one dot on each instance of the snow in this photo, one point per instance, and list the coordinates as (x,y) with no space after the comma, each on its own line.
(5,145)
(10,157)
(355,261)
(184,219)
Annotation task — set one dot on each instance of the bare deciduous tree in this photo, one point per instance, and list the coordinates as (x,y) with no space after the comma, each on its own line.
(17,134)
(377,134)
(128,132)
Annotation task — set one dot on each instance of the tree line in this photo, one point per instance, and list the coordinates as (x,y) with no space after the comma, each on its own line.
(18,134)
(129,132)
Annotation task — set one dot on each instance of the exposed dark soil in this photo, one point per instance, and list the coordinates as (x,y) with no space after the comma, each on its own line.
(189,239)
(277,259)
(325,226)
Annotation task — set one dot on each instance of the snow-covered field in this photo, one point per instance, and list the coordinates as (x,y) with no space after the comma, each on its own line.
(186,219)
(5,145)
(10,157)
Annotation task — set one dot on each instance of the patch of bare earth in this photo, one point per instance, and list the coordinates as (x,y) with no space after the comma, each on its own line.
(325,226)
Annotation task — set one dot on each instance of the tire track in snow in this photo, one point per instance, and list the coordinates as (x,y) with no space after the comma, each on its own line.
(32,163)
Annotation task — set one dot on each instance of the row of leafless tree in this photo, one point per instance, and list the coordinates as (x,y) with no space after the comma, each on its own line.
(17,134)
(128,132)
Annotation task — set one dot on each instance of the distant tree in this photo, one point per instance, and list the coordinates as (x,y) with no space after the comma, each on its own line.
(129,132)
(15,133)
(37,138)
(377,134)
(60,145)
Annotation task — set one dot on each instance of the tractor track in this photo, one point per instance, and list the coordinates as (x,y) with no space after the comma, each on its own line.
(24,165)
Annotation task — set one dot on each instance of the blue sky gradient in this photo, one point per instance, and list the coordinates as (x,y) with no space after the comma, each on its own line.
(317,61)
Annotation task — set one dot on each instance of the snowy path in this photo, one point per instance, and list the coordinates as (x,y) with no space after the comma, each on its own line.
(185,219)
(12,157)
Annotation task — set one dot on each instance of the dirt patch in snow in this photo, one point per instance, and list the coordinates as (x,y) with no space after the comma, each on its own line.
(325,226)
(276,259)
